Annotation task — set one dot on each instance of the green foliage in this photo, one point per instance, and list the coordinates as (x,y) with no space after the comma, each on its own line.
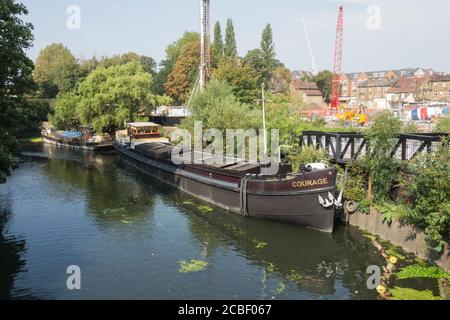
(108,98)
(64,116)
(218,108)
(148,64)
(192,266)
(412,294)
(57,67)
(255,58)
(230,49)
(324,81)
(299,158)
(421,271)
(381,167)
(218,45)
(268,53)
(243,79)
(411,127)
(443,125)
(15,78)
(390,210)
(354,184)
(429,194)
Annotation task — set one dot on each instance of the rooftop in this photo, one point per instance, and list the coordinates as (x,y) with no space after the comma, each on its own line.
(406,85)
(142,124)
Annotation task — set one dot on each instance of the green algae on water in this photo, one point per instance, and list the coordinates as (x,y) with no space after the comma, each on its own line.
(260,244)
(294,276)
(270,267)
(280,289)
(192,266)
(205,209)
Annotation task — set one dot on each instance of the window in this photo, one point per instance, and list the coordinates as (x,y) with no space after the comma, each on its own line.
(441,93)
(448,93)
(435,94)
(375,75)
(444,84)
(382,75)
(355,76)
(435,84)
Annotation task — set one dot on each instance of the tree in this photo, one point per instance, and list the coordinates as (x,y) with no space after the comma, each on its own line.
(173,52)
(324,81)
(65,115)
(255,59)
(280,80)
(147,63)
(217,108)
(383,169)
(268,47)
(242,78)
(218,45)
(108,98)
(56,68)
(184,73)
(230,49)
(15,77)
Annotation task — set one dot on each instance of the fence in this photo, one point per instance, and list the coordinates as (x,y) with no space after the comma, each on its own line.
(346,146)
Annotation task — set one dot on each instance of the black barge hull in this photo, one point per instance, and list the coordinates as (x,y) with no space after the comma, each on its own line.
(294,200)
(77,145)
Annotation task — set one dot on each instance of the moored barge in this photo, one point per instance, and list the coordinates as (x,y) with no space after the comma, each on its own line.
(306,198)
(83,139)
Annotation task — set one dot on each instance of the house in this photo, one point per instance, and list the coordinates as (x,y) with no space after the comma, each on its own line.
(404,91)
(352,81)
(308,91)
(436,89)
(372,93)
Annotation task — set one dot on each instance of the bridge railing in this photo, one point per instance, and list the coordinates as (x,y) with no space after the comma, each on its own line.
(346,146)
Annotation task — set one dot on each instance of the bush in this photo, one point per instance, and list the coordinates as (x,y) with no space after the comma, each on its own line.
(429,194)
(300,157)
(443,125)
(382,169)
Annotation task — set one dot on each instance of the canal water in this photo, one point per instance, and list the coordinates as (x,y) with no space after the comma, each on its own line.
(128,233)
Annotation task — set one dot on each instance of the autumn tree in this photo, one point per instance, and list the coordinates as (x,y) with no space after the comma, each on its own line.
(230,49)
(173,52)
(56,70)
(184,74)
(15,78)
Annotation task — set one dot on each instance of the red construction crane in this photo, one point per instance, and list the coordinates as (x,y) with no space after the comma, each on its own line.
(336,92)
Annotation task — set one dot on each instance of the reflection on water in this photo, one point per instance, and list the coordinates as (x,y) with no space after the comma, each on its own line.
(128,232)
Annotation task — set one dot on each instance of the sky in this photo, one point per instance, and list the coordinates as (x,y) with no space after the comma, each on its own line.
(379,34)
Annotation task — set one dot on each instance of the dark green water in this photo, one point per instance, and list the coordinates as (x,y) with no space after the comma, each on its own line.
(128,232)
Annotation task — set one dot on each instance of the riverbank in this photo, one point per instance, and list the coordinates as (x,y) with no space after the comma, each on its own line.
(415,267)
(408,237)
